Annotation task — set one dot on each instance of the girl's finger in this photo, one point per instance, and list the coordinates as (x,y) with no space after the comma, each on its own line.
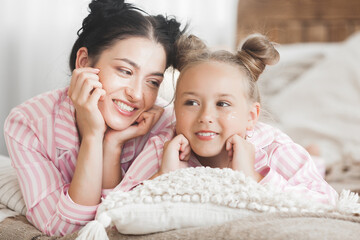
(186,153)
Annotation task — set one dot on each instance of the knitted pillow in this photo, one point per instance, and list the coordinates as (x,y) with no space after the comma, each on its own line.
(194,197)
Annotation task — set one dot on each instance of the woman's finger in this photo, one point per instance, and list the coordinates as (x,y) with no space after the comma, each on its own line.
(96,95)
(87,89)
(75,76)
(82,78)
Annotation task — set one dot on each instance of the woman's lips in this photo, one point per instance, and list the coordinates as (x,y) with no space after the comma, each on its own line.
(124,108)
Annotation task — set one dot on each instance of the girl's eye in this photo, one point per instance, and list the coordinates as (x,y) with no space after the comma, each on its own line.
(191,103)
(222,104)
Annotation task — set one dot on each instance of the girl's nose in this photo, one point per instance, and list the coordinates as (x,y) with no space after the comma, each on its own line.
(206,116)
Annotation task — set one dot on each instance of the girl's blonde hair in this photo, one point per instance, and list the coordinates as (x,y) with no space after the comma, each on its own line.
(254,54)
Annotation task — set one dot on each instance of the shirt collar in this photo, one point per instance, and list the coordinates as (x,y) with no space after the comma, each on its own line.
(261,136)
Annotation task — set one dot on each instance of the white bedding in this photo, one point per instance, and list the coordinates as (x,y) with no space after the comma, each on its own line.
(318,101)
(11,200)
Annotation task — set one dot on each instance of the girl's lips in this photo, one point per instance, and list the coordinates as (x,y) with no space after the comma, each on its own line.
(206,135)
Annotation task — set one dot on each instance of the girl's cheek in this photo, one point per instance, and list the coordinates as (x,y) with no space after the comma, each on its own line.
(232,116)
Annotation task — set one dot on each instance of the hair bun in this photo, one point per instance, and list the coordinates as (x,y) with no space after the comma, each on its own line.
(188,48)
(256,52)
(101,10)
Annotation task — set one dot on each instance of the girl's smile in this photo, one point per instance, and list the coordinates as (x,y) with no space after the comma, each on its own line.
(211,106)
(206,135)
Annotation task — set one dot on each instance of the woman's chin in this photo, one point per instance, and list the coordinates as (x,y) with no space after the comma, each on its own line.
(118,126)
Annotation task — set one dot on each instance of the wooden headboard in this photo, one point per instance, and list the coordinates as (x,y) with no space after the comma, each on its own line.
(291,21)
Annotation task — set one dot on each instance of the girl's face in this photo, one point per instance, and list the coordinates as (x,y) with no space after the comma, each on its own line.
(211,106)
(131,72)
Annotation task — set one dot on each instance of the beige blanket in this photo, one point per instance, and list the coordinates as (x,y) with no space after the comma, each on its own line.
(264,226)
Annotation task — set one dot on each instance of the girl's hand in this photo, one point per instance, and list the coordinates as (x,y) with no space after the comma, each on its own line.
(176,154)
(85,92)
(242,156)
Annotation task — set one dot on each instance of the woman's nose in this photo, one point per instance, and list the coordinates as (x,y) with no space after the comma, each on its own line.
(134,91)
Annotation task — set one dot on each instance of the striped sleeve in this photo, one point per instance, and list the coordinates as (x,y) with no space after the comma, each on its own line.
(146,164)
(49,208)
(290,168)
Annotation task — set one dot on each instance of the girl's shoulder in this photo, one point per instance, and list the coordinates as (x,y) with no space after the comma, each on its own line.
(264,134)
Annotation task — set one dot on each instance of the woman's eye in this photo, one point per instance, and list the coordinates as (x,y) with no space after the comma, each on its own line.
(191,103)
(125,72)
(155,83)
(222,104)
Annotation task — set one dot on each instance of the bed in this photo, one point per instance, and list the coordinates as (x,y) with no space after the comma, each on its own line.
(312,94)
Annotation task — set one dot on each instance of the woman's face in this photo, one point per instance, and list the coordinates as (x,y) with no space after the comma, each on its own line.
(131,72)
(211,106)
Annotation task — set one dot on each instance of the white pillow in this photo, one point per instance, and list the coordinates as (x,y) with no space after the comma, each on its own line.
(10,193)
(193,197)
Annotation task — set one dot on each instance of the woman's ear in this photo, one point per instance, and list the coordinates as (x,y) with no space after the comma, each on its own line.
(254,113)
(82,58)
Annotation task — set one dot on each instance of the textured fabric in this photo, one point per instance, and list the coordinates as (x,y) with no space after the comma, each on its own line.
(275,226)
(43,143)
(201,196)
(285,164)
(10,193)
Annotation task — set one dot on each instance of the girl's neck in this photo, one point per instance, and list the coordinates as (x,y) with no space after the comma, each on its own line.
(219,161)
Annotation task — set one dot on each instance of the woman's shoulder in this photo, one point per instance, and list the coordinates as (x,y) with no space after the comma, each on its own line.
(40,106)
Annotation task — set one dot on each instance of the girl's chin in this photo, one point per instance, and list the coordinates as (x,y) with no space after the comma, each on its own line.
(206,152)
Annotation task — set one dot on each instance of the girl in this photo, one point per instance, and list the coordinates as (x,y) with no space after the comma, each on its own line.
(67,145)
(217,106)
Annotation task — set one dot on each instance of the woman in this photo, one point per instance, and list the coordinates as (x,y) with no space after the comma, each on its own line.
(71,146)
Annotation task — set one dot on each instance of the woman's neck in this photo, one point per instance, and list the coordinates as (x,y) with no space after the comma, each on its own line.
(219,161)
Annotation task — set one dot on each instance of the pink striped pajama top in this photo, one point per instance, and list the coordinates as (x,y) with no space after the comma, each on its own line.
(43,143)
(283,163)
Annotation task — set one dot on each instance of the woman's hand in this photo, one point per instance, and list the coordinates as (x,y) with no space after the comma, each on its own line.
(114,141)
(176,154)
(143,125)
(86,91)
(242,156)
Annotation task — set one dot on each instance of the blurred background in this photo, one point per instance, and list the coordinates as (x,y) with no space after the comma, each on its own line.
(37,36)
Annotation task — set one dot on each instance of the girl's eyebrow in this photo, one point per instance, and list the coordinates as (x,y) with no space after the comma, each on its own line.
(189,93)
(226,95)
(137,67)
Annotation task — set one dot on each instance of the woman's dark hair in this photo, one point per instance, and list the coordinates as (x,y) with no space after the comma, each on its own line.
(112,20)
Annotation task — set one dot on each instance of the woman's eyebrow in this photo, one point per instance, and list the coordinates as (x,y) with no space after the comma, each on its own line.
(137,67)
(132,63)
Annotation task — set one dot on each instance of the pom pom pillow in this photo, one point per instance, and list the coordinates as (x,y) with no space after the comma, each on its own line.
(194,197)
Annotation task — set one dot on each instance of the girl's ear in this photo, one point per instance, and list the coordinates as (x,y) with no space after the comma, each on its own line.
(82,58)
(254,113)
